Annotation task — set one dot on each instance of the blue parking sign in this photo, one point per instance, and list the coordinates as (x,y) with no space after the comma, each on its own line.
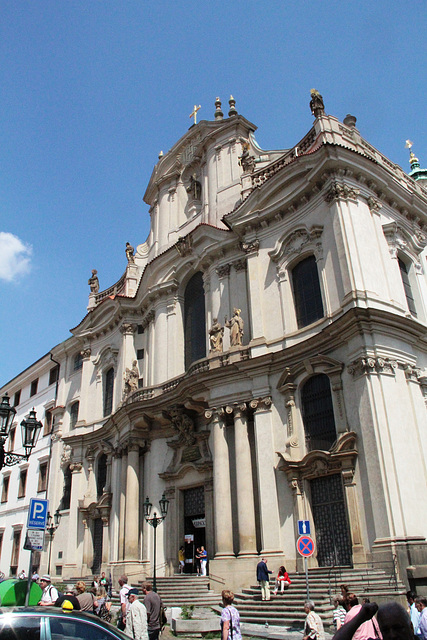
(304,527)
(37,514)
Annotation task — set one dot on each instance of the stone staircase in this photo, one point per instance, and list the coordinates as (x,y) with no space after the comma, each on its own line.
(287,609)
(186,589)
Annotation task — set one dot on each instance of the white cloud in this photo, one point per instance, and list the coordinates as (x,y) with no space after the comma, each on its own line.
(15,257)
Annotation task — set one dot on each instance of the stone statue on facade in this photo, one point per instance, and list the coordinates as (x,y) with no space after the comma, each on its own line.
(316,104)
(235,324)
(194,189)
(93,282)
(131,379)
(129,252)
(216,333)
(183,424)
(246,161)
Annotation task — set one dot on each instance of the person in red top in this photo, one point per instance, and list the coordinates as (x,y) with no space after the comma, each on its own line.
(283,580)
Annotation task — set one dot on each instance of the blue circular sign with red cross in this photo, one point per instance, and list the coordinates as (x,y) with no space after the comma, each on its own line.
(305,546)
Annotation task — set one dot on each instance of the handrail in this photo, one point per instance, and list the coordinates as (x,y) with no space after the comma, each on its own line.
(215,578)
(335,573)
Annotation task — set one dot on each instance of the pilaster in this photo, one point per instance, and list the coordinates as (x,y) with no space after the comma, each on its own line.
(245,502)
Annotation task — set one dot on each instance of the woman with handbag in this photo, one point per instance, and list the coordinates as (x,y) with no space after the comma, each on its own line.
(230,618)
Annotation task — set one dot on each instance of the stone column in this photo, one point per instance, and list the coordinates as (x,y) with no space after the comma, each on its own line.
(255,291)
(115,506)
(245,502)
(160,344)
(128,351)
(73,522)
(172,331)
(85,398)
(122,511)
(87,546)
(132,503)
(222,488)
(359,555)
(269,510)
(223,274)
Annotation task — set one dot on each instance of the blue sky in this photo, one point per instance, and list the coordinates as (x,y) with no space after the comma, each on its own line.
(90,92)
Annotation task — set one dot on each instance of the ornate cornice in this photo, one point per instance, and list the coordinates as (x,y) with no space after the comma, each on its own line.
(367,365)
(223,271)
(341,191)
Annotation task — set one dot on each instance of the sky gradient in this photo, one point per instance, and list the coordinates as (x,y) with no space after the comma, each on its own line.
(92,91)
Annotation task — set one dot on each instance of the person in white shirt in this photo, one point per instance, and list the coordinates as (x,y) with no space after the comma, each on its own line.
(50,594)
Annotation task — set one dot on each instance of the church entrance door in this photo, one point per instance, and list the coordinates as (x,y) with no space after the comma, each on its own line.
(333,540)
(194,526)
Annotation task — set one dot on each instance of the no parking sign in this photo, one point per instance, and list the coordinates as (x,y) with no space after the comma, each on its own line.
(305,546)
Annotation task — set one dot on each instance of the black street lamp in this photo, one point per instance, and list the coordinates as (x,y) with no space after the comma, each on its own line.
(52,525)
(154,522)
(30,432)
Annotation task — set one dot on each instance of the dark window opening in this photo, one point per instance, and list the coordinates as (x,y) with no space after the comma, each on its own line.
(140,354)
(108,392)
(307,294)
(66,494)
(404,273)
(22,483)
(5,489)
(34,385)
(54,375)
(78,362)
(194,320)
(74,414)
(318,413)
(101,479)
(17,398)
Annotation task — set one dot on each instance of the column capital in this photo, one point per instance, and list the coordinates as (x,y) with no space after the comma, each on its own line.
(261,404)
(128,328)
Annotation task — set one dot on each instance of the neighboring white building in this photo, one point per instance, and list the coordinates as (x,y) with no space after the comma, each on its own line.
(35,388)
(317,413)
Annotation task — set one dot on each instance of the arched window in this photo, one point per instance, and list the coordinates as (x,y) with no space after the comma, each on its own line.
(108,392)
(404,273)
(318,413)
(194,320)
(101,476)
(66,494)
(74,414)
(307,294)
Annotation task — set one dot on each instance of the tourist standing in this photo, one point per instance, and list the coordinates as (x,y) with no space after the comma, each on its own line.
(50,593)
(124,602)
(230,618)
(368,629)
(153,604)
(421,604)
(136,618)
(86,598)
(313,629)
(181,560)
(263,577)
(414,614)
(203,560)
(339,612)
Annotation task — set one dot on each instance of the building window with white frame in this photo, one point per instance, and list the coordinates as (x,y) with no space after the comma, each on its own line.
(318,413)
(306,291)
(108,391)
(22,486)
(74,414)
(404,274)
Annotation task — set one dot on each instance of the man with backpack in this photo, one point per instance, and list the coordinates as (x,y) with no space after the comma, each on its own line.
(50,594)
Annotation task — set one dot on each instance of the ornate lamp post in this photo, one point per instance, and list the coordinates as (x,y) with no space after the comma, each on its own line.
(52,525)
(154,522)
(30,432)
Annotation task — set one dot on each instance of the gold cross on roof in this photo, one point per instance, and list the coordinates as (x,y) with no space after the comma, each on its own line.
(193,114)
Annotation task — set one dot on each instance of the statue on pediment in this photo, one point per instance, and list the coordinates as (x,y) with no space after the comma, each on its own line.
(216,333)
(194,189)
(129,252)
(316,104)
(246,161)
(131,379)
(235,324)
(93,282)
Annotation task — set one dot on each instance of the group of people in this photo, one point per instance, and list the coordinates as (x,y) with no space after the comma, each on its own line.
(263,577)
(201,560)
(141,620)
(77,597)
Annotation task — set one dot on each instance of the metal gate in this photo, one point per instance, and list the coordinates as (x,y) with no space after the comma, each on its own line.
(97,546)
(333,540)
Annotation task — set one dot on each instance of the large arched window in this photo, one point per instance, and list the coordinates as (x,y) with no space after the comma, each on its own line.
(404,273)
(194,320)
(318,413)
(108,392)
(307,294)
(101,476)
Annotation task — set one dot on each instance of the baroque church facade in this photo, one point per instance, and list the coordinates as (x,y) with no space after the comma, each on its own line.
(261,361)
